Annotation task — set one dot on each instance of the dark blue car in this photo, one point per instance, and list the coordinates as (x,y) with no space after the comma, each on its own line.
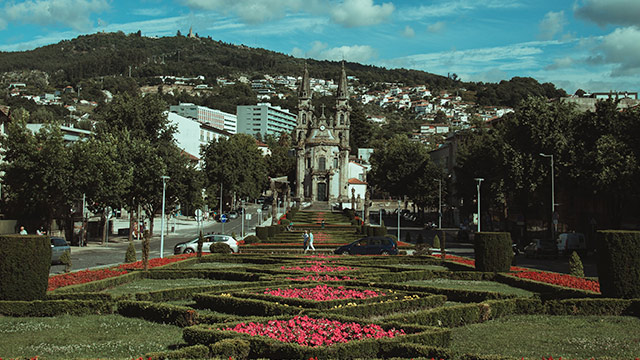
(370,245)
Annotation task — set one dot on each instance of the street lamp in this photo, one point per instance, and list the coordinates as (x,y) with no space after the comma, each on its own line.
(164,189)
(553,201)
(439,203)
(398,219)
(479,180)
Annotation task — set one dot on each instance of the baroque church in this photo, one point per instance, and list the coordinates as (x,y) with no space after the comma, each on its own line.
(322,146)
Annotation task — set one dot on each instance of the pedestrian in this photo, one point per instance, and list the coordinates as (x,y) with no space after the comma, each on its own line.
(305,240)
(23,231)
(322,223)
(311,241)
(40,231)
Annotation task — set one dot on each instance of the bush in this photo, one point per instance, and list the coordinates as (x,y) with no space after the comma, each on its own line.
(251,239)
(262,233)
(130,255)
(575,265)
(271,231)
(65,259)
(220,248)
(24,267)
(422,249)
(187,352)
(285,222)
(161,313)
(619,263)
(231,348)
(40,308)
(436,242)
(493,251)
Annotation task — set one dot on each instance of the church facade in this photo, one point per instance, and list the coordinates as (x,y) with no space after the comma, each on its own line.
(322,146)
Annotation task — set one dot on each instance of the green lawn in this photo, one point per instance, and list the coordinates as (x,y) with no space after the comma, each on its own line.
(88,337)
(472,285)
(534,337)
(146,285)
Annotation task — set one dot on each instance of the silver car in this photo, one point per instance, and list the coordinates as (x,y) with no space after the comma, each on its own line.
(58,247)
(191,246)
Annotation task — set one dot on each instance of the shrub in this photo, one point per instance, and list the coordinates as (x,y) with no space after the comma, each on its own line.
(493,251)
(619,263)
(575,265)
(187,352)
(65,259)
(231,348)
(251,239)
(161,313)
(40,308)
(262,233)
(436,242)
(422,249)
(220,248)
(130,255)
(24,267)
(271,231)
(285,222)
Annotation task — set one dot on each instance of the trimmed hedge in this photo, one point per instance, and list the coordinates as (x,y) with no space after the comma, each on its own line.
(187,352)
(493,251)
(231,348)
(45,308)
(161,313)
(458,295)
(547,291)
(227,304)
(600,307)
(262,233)
(406,304)
(619,263)
(24,268)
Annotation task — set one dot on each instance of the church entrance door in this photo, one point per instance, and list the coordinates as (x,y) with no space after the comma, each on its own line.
(322,192)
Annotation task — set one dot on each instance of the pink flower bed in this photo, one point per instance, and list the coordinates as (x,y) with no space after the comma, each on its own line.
(320,278)
(312,332)
(319,268)
(323,293)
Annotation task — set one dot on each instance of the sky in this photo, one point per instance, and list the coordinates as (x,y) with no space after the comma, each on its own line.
(592,45)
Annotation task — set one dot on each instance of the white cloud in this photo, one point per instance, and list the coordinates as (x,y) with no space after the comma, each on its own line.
(444,8)
(150,12)
(552,24)
(254,11)
(436,27)
(603,12)
(69,13)
(621,48)
(321,51)
(561,63)
(408,32)
(352,13)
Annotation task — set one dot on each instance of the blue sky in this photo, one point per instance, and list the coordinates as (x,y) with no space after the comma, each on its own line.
(588,44)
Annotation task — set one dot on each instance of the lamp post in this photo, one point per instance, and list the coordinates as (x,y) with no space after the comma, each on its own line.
(479,180)
(164,189)
(553,200)
(242,214)
(439,203)
(380,214)
(398,219)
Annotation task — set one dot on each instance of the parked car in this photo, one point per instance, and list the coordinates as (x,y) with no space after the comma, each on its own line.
(191,246)
(58,247)
(233,215)
(568,242)
(539,248)
(371,245)
(265,207)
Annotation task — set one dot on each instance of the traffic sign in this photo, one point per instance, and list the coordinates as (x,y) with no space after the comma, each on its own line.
(223,218)
(199,215)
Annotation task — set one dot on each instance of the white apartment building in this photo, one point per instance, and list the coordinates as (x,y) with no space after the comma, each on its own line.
(265,119)
(192,134)
(216,118)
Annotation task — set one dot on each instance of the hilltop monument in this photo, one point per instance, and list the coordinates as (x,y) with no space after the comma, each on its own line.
(322,146)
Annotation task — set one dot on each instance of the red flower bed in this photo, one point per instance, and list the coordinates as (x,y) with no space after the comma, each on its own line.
(321,256)
(560,279)
(320,278)
(312,332)
(81,277)
(319,268)
(323,293)
(321,237)
(156,262)
(472,262)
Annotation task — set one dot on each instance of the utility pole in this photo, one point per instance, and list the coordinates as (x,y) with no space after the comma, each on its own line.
(164,188)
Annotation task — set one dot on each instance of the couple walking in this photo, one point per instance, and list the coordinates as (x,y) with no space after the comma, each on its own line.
(308,241)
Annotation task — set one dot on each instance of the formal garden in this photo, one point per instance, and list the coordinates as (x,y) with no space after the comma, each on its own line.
(280,305)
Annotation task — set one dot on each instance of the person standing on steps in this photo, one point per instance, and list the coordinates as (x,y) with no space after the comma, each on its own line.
(305,238)
(23,231)
(311,241)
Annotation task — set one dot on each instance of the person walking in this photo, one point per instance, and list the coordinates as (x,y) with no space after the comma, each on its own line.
(23,231)
(305,238)
(311,241)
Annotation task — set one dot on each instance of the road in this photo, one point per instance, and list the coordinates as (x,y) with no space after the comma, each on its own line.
(113,253)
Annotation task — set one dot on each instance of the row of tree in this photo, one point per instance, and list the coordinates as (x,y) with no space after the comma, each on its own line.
(122,164)
(596,161)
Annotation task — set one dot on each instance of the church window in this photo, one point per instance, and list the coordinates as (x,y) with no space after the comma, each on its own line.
(308,163)
(304,118)
(322,164)
(341,119)
(335,163)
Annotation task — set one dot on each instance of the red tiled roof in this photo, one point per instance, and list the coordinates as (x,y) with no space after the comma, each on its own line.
(355,181)
(189,156)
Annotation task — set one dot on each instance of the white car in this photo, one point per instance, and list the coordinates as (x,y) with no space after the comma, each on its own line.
(191,246)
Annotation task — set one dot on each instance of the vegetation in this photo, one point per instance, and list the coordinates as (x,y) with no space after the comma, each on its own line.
(65,259)
(619,263)
(24,268)
(130,255)
(575,265)
(493,251)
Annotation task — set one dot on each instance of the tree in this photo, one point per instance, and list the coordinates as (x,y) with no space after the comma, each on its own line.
(361,130)
(279,163)
(222,161)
